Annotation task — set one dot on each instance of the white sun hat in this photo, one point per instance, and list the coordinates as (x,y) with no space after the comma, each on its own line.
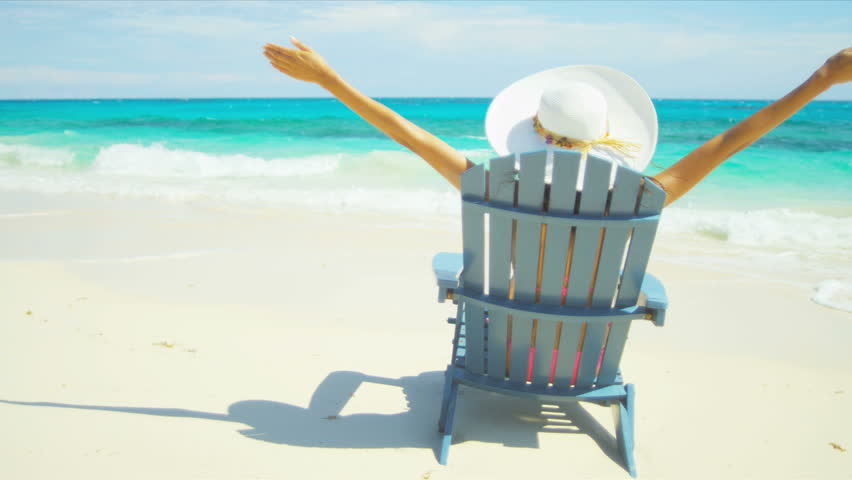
(590,108)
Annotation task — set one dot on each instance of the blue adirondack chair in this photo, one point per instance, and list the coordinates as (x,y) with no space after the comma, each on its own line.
(551,278)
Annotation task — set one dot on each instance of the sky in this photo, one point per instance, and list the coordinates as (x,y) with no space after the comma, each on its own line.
(102,49)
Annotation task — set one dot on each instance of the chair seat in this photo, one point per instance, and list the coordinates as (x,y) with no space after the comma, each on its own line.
(546,393)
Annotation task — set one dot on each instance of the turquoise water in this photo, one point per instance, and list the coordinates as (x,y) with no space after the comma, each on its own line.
(318,152)
(783,206)
(806,163)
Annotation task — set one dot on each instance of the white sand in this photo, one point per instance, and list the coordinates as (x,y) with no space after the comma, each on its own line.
(147,340)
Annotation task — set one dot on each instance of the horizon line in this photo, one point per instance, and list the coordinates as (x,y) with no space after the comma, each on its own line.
(58,99)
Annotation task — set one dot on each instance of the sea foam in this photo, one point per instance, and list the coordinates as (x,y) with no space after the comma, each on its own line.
(374,181)
(834,294)
(159,161)
(801,248)
(32,156)
(766,228)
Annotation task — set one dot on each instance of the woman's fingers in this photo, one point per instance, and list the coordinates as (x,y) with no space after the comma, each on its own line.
(287,68)
(277,51)
(276,62)
(279,61)
(280,65)
(301,46)
(271,54)
(283,69)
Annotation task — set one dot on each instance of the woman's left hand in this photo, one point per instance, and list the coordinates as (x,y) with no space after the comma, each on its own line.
(301,63)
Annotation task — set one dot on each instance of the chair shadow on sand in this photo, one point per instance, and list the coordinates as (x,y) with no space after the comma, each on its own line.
(511,421)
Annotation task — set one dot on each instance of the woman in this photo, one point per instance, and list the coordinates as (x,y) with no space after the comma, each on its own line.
(303,63)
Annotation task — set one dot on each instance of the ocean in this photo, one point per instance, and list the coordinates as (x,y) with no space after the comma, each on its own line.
(781,208)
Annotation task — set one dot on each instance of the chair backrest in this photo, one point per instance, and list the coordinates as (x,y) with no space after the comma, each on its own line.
(548,265)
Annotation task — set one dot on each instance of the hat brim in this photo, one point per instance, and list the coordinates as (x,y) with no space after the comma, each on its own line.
(631,114)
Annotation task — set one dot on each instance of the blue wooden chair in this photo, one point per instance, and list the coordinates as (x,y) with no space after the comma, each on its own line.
(551,277)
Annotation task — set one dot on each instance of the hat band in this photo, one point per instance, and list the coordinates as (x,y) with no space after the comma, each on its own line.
(628,149)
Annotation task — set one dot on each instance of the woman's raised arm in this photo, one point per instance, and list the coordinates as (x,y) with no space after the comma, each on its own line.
(302,63)
(691,169)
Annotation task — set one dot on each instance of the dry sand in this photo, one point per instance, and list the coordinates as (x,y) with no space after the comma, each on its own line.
(156,340)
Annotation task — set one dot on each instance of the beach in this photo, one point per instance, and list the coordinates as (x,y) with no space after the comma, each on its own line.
(148,337)
(242,288)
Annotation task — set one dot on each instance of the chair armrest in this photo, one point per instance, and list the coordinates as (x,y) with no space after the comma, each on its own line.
(447,268)
(656,300)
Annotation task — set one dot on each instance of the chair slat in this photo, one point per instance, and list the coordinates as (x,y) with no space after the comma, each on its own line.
(462,340)
(566,360)
(474,323)
(591,354)
(624,197)
(473,188)
(586,240)
(558,239)
(623,203)
(497,340)
(531,190)
(459,336)
(563,190)
(501,189)
(543,358)
(526,260)
(612,252)
(521,343)
(651,201)
(531,197)
(582,266)
(595,186)
(614,349)
(563,196)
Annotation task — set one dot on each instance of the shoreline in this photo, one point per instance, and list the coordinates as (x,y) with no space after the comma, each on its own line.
(765,248)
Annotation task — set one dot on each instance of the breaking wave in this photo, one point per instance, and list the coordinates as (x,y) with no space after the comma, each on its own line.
(159,161)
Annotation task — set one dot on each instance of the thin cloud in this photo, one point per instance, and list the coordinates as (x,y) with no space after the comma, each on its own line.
(459,31)
(46,75)
(195,25)
(433,27)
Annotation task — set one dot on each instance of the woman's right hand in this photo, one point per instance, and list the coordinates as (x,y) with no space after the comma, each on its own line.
(837,69)
(301,63)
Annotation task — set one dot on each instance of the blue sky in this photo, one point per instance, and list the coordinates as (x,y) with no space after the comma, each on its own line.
(213,49)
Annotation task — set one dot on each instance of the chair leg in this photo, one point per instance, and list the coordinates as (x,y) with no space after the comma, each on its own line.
(446,423)
(624,413)
(448,383)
